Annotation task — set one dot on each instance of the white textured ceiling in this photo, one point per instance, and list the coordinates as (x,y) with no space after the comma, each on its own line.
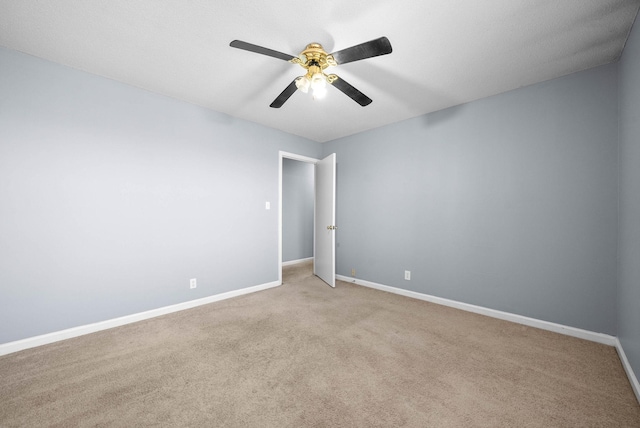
(445,52)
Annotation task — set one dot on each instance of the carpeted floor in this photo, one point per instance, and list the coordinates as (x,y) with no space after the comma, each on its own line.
(306,355)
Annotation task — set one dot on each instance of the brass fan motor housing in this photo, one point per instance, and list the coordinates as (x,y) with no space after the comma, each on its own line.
(315,59)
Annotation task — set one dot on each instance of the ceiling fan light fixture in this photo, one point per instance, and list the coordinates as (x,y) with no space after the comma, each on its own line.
(314,59)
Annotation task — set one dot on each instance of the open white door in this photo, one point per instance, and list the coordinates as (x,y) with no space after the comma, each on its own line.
(325,219)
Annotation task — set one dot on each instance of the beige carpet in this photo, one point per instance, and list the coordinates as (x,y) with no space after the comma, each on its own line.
(306,355)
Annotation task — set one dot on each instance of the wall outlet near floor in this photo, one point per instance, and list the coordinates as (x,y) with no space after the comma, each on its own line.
(193,283)
(407,275)
(353,272)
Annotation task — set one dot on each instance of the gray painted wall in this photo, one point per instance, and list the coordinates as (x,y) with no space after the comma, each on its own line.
(629,238)
(297,209)
(112,197)
(509,202)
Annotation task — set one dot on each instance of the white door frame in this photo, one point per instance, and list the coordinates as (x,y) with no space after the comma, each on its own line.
(281,156)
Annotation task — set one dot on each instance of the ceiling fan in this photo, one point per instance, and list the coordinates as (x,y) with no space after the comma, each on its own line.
(315,60)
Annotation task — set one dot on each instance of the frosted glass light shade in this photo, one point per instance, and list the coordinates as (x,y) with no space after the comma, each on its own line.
(303,84)
(318,81)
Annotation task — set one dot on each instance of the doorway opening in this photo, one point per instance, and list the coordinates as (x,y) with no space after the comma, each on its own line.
(299,163)
(298,200)
(323,214)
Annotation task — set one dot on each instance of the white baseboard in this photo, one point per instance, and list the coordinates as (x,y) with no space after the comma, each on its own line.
(635,385)
(295,262)
(32,342)
(531,322)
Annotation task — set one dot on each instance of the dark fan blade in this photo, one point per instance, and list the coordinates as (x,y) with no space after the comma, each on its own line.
(376,47)
(259,49)
(284,96)
(352,92)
